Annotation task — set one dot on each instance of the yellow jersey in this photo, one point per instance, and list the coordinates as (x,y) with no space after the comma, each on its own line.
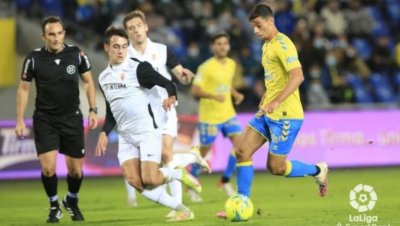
(279,56)
(216,77)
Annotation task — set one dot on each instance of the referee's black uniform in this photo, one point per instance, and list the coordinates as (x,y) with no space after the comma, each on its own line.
(57,120)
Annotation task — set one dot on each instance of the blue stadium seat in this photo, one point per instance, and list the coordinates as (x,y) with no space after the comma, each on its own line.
(361,93)
(363,47)
(381,88)
(396,79)
(393,9)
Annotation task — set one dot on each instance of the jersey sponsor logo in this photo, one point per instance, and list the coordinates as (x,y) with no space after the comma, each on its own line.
(114,86)
(71,69)
(291,59)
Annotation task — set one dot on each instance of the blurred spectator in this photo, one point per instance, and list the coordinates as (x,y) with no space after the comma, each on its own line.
(339,90)
(316,93)
(334,18)
(355,64)
(397,53)
(381,59)
(285,20)
(359,20)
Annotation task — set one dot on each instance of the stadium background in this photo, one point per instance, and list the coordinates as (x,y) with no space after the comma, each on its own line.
(350,52)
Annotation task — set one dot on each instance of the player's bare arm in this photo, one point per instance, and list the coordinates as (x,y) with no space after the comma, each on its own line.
(22,101)
(238,97)
(198,92)
(184,75)
(296,77)
(91,95)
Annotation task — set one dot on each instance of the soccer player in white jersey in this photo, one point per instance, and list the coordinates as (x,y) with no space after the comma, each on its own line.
(162,59)
(125,83)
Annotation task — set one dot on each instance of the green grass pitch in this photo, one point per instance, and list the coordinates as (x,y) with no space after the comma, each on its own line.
(282,201)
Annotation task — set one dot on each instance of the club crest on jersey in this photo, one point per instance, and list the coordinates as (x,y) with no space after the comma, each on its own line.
(71,69)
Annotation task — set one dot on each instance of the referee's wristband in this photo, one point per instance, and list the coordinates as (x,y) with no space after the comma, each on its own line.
(93,110)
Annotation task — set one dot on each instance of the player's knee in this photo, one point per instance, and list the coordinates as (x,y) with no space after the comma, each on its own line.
(241,155)
(276,169)
(75,173)
(48,170)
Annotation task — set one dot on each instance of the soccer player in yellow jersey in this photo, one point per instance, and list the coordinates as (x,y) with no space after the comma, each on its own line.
(213,85)
(281,114)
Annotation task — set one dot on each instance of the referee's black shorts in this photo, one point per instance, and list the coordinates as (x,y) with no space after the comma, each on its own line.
(64,133)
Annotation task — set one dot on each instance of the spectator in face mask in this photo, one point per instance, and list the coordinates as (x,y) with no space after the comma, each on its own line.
(316,92)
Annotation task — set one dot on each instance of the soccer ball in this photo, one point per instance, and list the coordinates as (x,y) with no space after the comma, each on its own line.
(239,208)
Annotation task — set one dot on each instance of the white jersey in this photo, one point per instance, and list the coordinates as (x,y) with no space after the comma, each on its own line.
(160,58)
(127,99)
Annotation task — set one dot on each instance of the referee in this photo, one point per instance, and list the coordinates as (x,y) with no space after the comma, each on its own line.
(57,120)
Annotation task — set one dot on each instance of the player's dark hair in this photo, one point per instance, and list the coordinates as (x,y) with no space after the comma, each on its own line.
(219,35)
(260,10)
(51,20)
(134,14)
(114,31)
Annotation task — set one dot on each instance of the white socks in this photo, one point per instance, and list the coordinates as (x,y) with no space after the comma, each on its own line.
(131,190)
(160,195)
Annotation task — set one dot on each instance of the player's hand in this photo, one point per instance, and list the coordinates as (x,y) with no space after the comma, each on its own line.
(220,98)
(101,144)
(92,120)
(187,76)
(238,98)
(169,103)
(20,128)
(270,107)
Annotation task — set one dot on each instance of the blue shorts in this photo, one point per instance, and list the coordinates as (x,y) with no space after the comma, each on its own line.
(280,134)
(208,132)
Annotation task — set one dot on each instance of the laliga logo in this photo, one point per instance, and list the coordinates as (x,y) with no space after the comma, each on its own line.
(363,198)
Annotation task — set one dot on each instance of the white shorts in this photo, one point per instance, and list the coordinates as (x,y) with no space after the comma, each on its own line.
(146,147)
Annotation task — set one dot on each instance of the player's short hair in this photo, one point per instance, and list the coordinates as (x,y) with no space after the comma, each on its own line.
(51,20)
(114,31)
(219,35)
(260,10)
(133,14)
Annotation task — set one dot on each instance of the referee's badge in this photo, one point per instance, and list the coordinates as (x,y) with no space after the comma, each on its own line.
(71,69)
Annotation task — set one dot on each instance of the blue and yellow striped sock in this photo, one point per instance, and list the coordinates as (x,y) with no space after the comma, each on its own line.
(230,167)
(296,168)
(245,174)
